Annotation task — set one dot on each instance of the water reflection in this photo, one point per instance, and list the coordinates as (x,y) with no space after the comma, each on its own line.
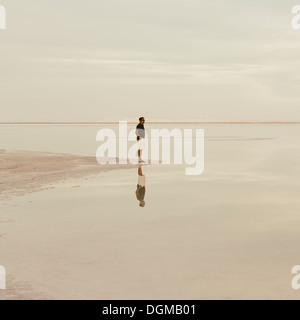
(141,188)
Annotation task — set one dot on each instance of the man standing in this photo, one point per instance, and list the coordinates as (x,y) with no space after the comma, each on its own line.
(140,133)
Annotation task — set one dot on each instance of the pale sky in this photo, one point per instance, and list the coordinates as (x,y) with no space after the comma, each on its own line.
(95,60)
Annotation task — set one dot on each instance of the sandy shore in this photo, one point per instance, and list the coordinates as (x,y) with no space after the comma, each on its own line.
(23,172)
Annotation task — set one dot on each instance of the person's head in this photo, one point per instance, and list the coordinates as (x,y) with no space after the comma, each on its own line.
(142,203)
(142,120)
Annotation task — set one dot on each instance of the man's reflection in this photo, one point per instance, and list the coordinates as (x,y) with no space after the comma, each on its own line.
(141,187)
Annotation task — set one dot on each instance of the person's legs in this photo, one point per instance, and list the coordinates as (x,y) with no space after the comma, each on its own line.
(141,147)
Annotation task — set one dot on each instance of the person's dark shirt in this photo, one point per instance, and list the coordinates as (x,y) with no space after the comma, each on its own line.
(141,131)
(141,193)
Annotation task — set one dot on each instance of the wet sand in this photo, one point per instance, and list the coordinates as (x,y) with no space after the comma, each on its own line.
(212,237)
(23,172)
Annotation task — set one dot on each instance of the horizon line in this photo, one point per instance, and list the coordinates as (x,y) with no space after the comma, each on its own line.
(154,122)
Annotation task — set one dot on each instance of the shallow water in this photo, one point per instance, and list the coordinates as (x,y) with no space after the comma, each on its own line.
(230,233)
